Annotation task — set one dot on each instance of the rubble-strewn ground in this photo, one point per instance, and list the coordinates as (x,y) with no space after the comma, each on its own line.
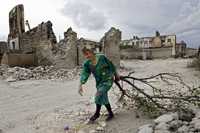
(47,106)
(12,74)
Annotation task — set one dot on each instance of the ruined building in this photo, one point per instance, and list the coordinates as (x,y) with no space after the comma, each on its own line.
(37,37)
(40,40)
(65,52)
(30,47)
(68,52)
(38,45)
(25,42)
(16,27)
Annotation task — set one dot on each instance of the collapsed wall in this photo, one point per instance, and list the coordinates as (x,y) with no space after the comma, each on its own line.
(37,42)
(110,45)
(68,52)
(65,52)
(40,41)
(41,36)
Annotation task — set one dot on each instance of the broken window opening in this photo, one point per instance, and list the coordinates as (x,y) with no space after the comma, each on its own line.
(13,45)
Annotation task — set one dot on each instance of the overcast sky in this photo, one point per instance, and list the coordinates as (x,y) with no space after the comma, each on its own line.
(92,18)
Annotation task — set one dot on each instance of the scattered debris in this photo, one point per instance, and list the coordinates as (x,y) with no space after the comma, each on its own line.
(99,128)
(12,74)
(102,124)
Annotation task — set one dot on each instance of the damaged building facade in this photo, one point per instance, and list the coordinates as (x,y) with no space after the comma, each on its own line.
(71,51)
(38,45)
(24,47)
(16,27)
(158,46)
(65,51)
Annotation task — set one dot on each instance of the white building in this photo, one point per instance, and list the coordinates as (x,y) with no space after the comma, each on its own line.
(151,42)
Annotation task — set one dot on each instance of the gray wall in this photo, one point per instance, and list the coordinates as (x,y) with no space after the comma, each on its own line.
(18,59)
(191,52)
(131,53)
(111,42)
(161,52)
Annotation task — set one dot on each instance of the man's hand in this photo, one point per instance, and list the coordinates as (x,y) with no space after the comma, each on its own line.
(80,91)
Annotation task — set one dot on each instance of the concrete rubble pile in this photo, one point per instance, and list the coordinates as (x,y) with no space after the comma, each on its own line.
(187,121)
(41,72)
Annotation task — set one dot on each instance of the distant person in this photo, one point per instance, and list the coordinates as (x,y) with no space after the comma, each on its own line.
(104,72)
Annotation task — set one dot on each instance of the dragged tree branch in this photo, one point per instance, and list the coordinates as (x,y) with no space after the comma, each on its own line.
(189,96)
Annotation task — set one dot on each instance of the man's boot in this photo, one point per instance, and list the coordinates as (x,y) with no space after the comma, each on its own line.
(110,113)
(97,113)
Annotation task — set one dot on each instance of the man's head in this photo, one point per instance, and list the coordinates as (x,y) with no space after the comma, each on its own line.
(88,53)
